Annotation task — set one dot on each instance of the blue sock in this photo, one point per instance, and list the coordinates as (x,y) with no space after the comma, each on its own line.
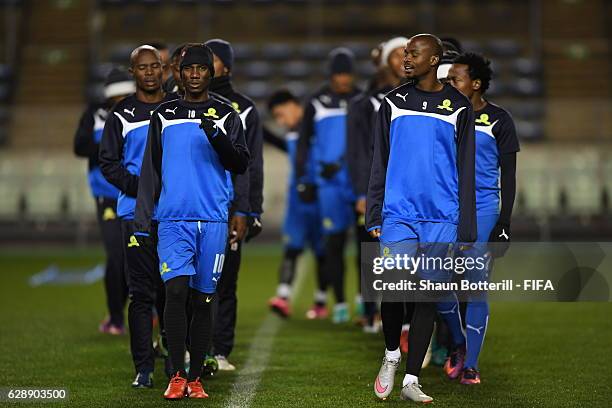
(477,317)
(449,310)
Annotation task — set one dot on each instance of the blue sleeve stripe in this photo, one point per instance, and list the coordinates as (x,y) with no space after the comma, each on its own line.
(373,228)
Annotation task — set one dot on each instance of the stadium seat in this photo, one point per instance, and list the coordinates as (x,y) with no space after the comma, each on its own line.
(296,69)
(365,69)
(526,87)
(98,72)
(529,131)
(5,92)
(276,51)
(314,51)
(361,50)
(257,70)
(527,66)
(120,54)
(298,88)
(471,46)
(243,51)
(257,89)
(5,72)
(526,110)
(503,48)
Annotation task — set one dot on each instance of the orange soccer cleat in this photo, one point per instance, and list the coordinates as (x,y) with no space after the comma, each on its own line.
(195,389)
(177,387)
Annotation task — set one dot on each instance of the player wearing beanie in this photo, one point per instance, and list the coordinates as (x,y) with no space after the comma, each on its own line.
(246,209)
(323,135)
(199,140)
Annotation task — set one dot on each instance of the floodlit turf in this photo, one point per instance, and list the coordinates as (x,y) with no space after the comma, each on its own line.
(536,355)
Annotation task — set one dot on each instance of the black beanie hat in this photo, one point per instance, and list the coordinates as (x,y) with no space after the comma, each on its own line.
(341,61)
(198,54)
(223,50)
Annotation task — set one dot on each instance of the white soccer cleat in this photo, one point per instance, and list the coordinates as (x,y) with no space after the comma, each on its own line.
(224,365)
(412,392)
(383,385)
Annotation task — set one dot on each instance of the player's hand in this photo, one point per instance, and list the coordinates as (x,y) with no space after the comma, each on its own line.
(500,238)
(375,233)
(237,228)
(329,170)
(307,192)
(254,227)
(209,127)
(360,206)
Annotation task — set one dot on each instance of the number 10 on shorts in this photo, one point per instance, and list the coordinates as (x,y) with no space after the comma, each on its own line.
(218,267)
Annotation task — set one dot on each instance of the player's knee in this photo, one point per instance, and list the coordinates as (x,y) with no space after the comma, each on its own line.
(177,288)
(292,253)
(140,296)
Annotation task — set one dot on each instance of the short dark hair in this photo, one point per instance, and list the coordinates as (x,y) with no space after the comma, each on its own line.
(479,67)
(451,43)
(280,97)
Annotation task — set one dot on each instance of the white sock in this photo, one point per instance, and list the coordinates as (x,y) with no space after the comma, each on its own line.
(406,327)
(409,379)
(393,355)
(283,291)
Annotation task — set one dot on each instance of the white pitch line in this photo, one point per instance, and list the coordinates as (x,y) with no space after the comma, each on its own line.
(249,376)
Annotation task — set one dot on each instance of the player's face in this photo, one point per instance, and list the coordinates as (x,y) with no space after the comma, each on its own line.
(459,77)
(147,71)
(196,78)
(342,83)
(165,59)
(220,69)
(287,115)
(396,62)
(419,58)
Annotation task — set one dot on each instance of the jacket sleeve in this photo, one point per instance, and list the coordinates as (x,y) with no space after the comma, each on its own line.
(149,186)
(378,174)
(111,157)
(274,140)
(466,169)
(304,140)
(507,164)
(254,137)
(84,143)
(359,145)
(231,147)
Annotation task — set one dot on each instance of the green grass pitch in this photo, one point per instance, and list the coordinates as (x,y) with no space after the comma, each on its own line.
(535,355)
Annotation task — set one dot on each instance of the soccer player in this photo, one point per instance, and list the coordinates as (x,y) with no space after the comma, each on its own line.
(164,54)
(360,123)
(121,152)
(496,148)
(117,86)
(173,83)
(302,221)
(420,194)
(247,215)
(192,144)
(323,135)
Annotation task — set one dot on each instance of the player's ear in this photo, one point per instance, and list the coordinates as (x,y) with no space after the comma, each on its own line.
(131,71)
(435,60)
(476,84)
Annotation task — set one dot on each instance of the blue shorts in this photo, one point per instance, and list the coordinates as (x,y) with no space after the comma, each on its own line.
(485,224)
(192,248)
(302,224)
(433,239)
(336,208)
